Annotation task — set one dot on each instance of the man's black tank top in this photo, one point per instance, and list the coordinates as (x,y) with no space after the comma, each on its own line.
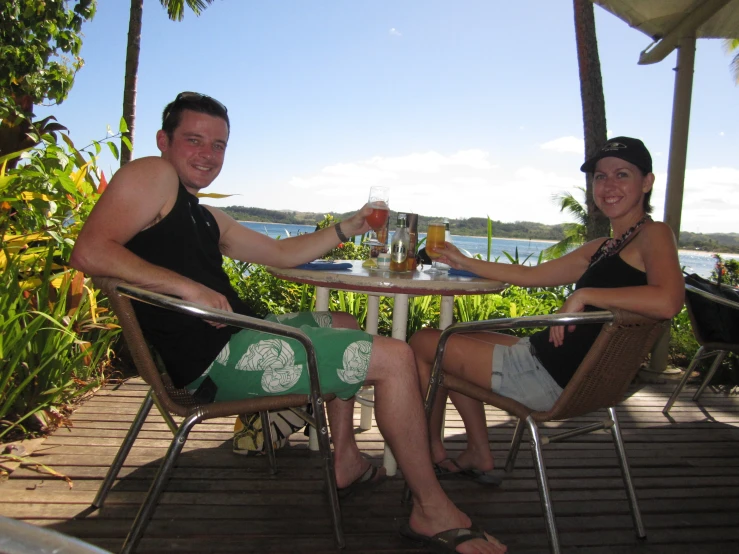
(186,242)
(563,361)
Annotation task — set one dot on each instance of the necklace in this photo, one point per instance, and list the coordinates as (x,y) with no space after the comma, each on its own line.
(613,246)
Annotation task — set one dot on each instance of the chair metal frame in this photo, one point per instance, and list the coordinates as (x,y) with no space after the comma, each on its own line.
(170,400)
(717,350)
(601,381)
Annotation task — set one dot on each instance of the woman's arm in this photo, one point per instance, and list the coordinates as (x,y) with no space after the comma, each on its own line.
(561,271)
(655,250)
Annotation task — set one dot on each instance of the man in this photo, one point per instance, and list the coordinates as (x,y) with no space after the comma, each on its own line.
(149,230)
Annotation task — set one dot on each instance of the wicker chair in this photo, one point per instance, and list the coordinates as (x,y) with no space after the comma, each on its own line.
(179,402)
(709,314)
(601,381)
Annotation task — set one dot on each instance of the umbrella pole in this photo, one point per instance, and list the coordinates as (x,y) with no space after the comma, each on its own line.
(676,164)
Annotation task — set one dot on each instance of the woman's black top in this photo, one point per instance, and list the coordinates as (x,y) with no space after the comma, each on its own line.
(562,362)
(186,242)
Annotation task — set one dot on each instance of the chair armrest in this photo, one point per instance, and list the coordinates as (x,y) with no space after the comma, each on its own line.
(184,307)
(529,321)
(508,323)
(712,297)
(214,314)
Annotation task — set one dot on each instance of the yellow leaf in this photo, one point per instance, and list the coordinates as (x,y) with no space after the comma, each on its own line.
(93,305)
(514,311)
(5,180)
(215,195)
(79,175)
(21,240)
(26,195)
(30,284)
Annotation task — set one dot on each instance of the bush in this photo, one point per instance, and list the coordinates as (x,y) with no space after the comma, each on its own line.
(55,332)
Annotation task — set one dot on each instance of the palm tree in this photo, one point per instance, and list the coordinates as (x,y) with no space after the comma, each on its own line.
(575,233)
(176,12)
(593,106)
(730,45)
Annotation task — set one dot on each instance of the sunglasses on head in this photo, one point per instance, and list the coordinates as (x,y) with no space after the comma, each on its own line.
(195,97)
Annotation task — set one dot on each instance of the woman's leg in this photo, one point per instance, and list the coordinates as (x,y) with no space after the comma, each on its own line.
(469,357)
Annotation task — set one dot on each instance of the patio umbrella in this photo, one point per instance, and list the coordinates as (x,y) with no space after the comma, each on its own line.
(676,24)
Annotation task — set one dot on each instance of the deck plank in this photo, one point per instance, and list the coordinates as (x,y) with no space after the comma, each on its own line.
(685,469)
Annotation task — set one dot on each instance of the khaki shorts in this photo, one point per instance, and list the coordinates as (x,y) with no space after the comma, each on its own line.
(254,363)
(518,374)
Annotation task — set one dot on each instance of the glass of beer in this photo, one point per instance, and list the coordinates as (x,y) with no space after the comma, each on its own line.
(379,201)
(434,238)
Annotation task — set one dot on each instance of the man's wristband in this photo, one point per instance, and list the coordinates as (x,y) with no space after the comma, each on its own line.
(341,235)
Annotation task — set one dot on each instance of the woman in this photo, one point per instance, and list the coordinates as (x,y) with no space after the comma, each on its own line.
(638,271)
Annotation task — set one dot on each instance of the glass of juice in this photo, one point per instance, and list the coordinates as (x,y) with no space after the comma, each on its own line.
(434,237)
(379,201)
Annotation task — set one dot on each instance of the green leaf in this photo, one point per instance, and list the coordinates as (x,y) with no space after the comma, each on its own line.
(122,126)
(114,150)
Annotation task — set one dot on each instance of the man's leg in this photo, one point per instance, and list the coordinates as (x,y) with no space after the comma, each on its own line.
(401,419)
(349,464)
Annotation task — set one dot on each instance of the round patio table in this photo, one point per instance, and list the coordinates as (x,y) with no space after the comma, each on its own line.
(400,286)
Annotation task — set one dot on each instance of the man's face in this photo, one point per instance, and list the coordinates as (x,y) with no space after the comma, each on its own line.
(196,149)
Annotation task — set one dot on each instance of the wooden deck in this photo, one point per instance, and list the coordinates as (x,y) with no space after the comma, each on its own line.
(685,468)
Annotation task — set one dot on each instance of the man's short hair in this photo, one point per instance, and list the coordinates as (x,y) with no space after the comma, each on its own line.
(196,102)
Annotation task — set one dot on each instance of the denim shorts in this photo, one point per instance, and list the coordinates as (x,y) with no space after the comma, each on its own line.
(518,374)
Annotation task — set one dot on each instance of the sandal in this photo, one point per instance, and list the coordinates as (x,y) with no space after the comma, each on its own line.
(446,541)
(471,474)
(370,479)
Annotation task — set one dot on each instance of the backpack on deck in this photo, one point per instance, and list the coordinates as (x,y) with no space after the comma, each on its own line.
(248,435)
(716,322)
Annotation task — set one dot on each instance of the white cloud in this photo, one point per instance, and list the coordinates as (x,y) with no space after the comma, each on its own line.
(467,183)
(462,184)
(394,32)
(568,145)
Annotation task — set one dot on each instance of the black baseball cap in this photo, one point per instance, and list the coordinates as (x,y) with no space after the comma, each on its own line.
(625,148)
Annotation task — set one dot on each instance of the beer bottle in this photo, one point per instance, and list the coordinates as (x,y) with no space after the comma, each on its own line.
(399,245)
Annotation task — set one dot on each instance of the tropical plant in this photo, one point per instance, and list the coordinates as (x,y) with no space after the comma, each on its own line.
(731,45)
(55,339)
(575,233)
(593,106)
(175,12)
(55,334)
(346,250)
(39,54)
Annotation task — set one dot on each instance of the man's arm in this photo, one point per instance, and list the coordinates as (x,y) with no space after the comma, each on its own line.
(241,243)
(140,193)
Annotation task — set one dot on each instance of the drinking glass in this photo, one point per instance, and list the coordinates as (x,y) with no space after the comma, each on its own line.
(434,238)
(379,201)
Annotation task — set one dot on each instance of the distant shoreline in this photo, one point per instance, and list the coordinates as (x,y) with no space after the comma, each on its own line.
(680,250)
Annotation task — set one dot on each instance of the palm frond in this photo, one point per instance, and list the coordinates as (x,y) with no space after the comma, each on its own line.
(176,8)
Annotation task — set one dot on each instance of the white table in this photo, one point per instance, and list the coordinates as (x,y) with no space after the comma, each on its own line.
(400,286)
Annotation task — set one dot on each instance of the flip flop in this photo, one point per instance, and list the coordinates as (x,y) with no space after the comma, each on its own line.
(368,480)
(471,474)
(446,541)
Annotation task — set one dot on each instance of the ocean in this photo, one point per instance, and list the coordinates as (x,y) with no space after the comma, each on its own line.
(701,263)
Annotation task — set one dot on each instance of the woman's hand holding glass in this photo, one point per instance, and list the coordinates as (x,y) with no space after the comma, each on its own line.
(445,253)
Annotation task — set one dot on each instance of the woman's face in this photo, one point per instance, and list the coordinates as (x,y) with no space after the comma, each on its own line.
(619,188)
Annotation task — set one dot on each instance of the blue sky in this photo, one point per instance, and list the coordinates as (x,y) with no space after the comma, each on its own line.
(465,108)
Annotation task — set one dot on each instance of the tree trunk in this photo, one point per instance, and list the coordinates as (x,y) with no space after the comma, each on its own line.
(593,106)
(132,69)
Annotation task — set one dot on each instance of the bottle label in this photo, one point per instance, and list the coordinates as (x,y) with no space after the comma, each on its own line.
(400,252)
